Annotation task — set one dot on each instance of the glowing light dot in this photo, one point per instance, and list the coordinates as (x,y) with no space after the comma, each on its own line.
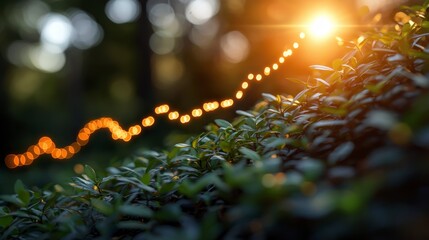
(147,122)
(16,160)
(63,153)
(295,45)
(78,168)
(173,115)
(275,66)
(239,94)
(267,71)
(227,103)
(302,35)
(250,76)
(288,52)
(29,155)
(281,60)
(210,106)
(37,150)
(10,161)
(244,85)
(92,126)
(162,109)
(258,77)
(22,160)
(82,136)
(127,137)
(135,130)
(70,149)
(185,119)
(197,112)
(56,153)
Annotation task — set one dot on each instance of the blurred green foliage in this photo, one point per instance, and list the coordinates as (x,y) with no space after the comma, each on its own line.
(346,158)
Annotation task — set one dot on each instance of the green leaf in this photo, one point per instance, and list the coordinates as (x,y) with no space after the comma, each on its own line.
(322,81)
(12,199)
(250,154)
(269,97)
(191,189)
(136,210)
(275,142)
(311,168)
(146,178)
(5,221)
(132,225)
(341,152)
(102,206)
(223,123)
(137,183)
(22,192)
(328,123)
(321,68)
(167,187)
(182,145)
(90,173)
(5,218)
(243,113)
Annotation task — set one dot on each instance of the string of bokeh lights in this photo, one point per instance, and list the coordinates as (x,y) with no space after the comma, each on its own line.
(320,28)
(47,146)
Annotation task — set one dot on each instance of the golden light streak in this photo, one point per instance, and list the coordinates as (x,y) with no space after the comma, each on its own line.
(45,145)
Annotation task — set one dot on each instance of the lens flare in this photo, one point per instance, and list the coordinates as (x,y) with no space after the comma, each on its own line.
(322,26)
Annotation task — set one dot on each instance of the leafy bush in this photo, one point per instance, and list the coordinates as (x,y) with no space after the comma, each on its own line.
(345,158)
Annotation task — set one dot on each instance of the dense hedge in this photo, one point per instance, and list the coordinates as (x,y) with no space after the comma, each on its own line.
(347,158)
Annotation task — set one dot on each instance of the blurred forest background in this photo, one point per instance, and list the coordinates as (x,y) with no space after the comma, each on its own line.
(64,63)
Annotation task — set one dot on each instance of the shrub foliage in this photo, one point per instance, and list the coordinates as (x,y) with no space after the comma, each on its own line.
(345,158)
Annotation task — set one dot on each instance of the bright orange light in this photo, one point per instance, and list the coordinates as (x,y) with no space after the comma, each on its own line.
(322,26)
(149,121)
(197,112)
(185,119)
(173,115)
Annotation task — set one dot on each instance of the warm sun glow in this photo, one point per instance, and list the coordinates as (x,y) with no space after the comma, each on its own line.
(322,26)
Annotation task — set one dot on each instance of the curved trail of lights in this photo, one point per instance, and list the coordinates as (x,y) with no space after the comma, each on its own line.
(46,145)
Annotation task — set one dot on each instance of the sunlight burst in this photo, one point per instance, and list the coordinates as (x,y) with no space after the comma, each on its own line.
(322,26)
